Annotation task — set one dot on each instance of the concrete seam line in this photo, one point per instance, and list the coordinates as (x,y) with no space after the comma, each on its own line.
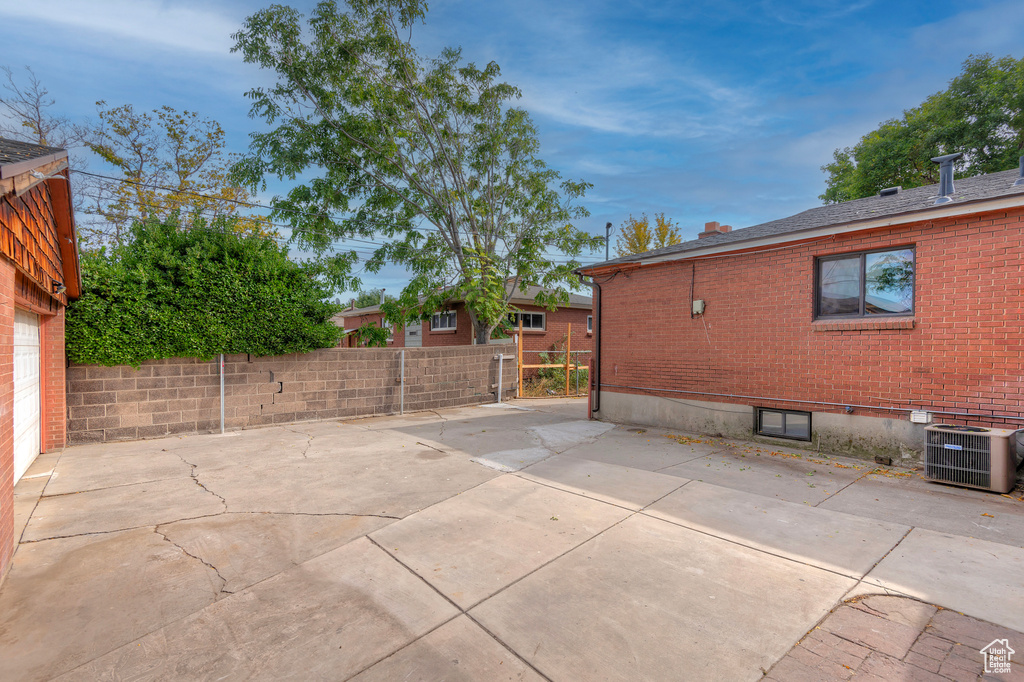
(121,530)
(14,550)
(829,497)
(553,560)
(404,646)
(512,651)
(518,474)
(884,556)
(420,577)
(681,524)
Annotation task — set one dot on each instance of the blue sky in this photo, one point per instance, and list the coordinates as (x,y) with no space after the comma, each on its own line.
(719,110)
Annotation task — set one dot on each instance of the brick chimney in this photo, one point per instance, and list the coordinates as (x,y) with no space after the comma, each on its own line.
(714,228)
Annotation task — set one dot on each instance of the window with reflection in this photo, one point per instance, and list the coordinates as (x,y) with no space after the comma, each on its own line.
(865,284)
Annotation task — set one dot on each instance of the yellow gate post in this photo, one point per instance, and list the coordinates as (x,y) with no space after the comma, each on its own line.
(519,347)
(568,350)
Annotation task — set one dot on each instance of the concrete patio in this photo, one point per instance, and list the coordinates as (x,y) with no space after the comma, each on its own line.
(516,542)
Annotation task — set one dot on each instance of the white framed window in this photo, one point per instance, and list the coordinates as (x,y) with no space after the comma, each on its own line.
(590,324)
(442,321)
(533,321)
(390,326)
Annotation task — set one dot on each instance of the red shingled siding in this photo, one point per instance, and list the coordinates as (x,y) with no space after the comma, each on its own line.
(961,352)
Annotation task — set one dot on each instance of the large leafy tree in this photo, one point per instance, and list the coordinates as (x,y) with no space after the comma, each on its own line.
(169,161)
(426,155)
(194,291)
(981,113)
(638,236)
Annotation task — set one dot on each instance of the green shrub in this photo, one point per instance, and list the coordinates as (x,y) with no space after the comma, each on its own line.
(196,292)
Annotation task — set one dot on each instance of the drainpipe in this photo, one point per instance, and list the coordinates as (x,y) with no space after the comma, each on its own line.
(596,368)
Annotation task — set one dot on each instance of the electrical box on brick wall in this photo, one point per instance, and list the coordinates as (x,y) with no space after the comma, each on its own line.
(698,307)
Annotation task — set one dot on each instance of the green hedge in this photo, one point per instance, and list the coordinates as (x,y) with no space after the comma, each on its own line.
(172,291)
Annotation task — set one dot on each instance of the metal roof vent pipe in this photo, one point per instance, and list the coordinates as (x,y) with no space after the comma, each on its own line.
(946,177)
(1020,180)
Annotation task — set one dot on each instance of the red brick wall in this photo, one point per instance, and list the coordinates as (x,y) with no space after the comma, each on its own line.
(6,415)
(461,336)
(552,338)
(376,319)
(556,325)
(30,265)
(55,413)
(963,351)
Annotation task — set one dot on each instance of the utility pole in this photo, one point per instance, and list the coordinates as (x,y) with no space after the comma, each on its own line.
(607,238)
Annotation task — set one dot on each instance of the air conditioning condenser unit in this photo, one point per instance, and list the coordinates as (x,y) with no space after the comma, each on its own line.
(973,456)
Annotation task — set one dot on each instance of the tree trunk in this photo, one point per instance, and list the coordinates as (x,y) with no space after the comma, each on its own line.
(483,334)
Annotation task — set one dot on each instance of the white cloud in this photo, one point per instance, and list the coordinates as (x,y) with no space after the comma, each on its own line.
(171,25)
(996,28)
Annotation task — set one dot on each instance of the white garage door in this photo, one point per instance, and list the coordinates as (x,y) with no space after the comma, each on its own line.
(26,390)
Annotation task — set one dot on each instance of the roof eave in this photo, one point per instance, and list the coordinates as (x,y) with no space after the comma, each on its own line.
(18,167)
(892,220)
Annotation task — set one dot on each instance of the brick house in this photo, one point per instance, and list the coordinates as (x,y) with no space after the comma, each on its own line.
(39,272)
(828,327)
(542,329)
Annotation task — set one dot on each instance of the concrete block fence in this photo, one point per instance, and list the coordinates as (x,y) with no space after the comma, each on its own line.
(182,395)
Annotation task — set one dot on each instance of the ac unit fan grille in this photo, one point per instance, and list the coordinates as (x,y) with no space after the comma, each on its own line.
(961,458)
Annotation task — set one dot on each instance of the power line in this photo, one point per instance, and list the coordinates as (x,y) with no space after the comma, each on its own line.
(249,204)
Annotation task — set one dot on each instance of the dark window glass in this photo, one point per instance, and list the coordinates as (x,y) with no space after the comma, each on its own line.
(784,424)
(530,320)
(840,286)
(443,321)
(871,283)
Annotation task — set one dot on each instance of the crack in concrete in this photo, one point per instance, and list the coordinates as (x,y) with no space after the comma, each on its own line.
(116,530)
(280,513)
(309,439)
(428,445)
(109,487)
(444,422)
(195,479)
(223,580)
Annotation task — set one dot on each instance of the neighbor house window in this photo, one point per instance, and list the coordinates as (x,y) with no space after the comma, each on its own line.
(442,321)
(782,423)
(533,321)
(865,284)
(590,324)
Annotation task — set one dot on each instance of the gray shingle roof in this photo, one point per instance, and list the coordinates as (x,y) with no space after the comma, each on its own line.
(20,157)
(916,200)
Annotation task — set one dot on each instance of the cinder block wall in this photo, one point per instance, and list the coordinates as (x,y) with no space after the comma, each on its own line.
(182,395)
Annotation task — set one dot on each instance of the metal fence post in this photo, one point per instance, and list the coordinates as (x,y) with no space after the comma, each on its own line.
(401,390)
(222,393)
(501,359)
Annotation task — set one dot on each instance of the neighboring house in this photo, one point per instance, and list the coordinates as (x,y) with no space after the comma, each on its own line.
(542,329)
(829,326)
(39,272)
